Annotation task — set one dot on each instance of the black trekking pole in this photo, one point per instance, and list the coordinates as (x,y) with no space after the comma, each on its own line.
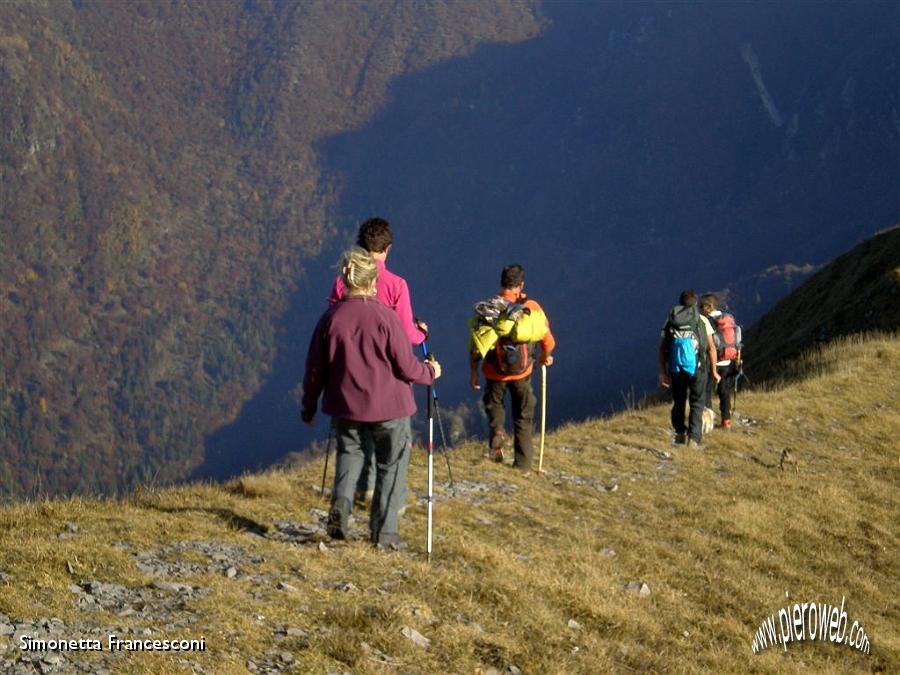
(433,397)
(331,434)
(736,380)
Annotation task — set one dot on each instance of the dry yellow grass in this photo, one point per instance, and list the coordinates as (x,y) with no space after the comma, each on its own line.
(524,575)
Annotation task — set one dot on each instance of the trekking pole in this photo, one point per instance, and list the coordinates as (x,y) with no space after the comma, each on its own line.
(736,380)
(543,417)
(434,397)
(430,469)
(327,452)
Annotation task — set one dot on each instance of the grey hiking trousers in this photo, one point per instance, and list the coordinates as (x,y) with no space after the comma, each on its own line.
(392,443)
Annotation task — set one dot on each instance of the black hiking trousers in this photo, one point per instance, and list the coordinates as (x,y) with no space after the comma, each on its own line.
(523,404)
(726,389)
(693,390)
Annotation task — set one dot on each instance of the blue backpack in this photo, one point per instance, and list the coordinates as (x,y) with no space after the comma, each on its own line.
(685,340)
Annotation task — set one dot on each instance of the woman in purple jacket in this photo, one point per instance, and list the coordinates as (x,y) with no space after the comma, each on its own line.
(359,360)
(376,237)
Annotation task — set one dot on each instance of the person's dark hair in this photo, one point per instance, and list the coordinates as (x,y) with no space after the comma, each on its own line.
(710,299)
(375,235)
(512,276)
(688,297)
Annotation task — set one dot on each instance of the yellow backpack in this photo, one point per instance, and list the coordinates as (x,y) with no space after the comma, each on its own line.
(493,320)
(531,327)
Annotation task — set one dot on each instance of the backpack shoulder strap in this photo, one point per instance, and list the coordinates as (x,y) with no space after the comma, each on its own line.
(700,331)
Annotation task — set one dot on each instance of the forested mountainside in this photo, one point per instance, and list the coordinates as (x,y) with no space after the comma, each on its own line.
(159,191)
(857,292)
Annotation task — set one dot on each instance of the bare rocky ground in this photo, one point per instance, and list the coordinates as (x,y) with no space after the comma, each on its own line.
(161,607)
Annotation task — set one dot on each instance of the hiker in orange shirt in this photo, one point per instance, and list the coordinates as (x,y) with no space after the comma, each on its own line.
(508,365)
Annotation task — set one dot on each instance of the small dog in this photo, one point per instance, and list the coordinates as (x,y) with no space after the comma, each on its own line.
(787,457)
(709,420)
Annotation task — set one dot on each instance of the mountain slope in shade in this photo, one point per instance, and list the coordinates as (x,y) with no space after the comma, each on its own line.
(633,150)
(621,156)
(857,292)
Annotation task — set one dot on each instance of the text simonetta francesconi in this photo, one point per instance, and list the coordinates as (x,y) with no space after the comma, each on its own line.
(113,643)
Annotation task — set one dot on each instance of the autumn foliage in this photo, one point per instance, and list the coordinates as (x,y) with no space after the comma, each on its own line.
(159,191)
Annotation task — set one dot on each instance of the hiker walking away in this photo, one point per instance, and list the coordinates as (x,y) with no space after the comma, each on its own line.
(376,237)
(361,362)
(508,361)
(727,339)
(686,349)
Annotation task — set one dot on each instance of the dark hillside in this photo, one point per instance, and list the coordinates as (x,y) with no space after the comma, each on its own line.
(634,149)
(159,193)
(857,292)
(625,153)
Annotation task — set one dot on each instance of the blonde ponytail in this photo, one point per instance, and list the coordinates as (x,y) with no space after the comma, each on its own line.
(358,270)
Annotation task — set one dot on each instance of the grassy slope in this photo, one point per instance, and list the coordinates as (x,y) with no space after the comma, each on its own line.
(722,538)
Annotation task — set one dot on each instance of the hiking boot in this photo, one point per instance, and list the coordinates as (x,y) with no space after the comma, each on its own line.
(679,438)
(524,471)
(695,445)
(726,424)
(498,445)
(339,518)
(390,542)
